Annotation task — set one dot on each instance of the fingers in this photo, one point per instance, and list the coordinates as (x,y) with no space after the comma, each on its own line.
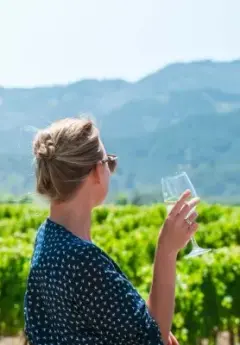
(190,222)
(187,208)
(179,204)
(193,228)
(182,207)
(193,216)
(174,341)
(170,339)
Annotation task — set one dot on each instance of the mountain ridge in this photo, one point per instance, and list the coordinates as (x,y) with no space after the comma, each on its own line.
(166,113)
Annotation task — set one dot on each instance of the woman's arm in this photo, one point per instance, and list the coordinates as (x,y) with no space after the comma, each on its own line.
(175,233)
(162,295)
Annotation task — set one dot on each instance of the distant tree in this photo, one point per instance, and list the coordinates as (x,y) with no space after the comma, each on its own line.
(7,199)
(137,198)
(122,199)
(26,199)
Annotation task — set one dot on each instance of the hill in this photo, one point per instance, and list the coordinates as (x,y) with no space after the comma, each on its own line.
(184,116)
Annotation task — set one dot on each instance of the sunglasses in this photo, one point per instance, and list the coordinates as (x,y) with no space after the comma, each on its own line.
(112,162)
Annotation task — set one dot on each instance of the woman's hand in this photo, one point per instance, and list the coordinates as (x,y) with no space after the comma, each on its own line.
(172,340)
(177,229)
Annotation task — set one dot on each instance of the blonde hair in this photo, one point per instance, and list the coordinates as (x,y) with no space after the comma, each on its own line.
(65,153)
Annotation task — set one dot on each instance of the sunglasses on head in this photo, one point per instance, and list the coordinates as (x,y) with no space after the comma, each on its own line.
(112,162)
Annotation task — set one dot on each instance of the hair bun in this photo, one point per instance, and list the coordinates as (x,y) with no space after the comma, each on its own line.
(44,148)
(87,127)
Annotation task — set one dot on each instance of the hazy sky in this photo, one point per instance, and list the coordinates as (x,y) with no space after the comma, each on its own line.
(58,41)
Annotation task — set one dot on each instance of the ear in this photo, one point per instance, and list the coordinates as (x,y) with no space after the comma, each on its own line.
(96,173)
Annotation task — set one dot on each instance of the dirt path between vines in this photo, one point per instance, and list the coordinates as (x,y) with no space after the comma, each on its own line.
(10,341)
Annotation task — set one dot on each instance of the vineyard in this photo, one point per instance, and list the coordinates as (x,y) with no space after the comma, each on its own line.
(208,287)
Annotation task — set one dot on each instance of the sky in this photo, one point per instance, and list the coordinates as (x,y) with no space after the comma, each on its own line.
(45,42)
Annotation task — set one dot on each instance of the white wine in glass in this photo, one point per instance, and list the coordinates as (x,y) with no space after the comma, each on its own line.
(172,188)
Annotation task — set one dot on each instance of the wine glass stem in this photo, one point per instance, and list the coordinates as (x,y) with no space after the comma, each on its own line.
(194,243)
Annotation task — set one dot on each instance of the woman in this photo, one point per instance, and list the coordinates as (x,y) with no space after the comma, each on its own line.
(76,294)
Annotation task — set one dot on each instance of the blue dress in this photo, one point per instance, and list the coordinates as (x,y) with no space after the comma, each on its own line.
(76,294)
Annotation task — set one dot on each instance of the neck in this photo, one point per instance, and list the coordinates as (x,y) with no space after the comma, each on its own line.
(75,218)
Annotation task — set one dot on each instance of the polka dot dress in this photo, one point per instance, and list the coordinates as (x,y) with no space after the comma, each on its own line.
(76,294)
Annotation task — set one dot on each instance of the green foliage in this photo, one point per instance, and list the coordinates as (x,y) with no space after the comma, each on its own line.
(15,257)
(207,289)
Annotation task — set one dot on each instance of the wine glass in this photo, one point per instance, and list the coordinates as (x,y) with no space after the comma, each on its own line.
(172,188)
